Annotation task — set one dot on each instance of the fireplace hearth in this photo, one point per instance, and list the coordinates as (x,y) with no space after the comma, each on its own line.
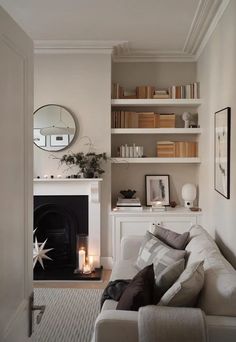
(66,212)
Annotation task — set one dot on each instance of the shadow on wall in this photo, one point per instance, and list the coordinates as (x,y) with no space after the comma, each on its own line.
(228,254)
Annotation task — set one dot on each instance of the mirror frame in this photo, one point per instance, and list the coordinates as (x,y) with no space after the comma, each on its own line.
(75,121)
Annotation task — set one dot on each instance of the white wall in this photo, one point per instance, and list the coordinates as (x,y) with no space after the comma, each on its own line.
(80,82)
(216,70)
(161,75)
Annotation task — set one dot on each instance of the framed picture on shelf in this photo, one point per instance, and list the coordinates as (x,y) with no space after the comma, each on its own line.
(59,140)
(39,139)
(157,189)
(222,152)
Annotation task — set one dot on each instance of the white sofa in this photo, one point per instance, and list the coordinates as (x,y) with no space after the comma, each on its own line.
(217,298)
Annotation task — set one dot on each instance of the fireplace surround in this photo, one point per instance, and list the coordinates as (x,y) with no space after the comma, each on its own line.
(64,210)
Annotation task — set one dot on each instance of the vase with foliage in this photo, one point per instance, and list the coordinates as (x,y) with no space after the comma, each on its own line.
(89,164)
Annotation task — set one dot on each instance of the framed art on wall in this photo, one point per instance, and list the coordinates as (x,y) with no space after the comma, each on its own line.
(157,189)
(222,152)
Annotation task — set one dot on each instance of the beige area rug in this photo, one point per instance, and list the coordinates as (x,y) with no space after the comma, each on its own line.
(69,316)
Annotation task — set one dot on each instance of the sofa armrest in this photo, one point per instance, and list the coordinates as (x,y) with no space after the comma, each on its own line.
(116,326)
(221,328)
(130,247)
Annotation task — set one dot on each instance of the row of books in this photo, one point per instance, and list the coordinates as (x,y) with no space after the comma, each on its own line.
(187,91)
(127,119)
(133,151)
(177,149)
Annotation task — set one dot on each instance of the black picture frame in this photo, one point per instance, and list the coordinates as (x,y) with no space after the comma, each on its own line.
(157,188)
(222,133)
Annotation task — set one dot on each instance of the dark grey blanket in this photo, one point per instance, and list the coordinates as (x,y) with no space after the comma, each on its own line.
(114,290)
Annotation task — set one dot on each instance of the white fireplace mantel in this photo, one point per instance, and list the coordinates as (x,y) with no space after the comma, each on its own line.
(78,186)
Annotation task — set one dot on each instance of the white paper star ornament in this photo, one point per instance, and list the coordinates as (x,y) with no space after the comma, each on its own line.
(39,253)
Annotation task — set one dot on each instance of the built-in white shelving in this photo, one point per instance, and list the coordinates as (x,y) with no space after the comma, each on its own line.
(156,102)
(156,160)
(156,131)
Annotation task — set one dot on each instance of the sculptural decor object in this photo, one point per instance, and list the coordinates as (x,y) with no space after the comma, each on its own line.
(128,193)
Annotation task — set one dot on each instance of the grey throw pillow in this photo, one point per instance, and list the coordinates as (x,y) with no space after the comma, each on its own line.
(185,291)
(154,251)
(165,279)
(170,237)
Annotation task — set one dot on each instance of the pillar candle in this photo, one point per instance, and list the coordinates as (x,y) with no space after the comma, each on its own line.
(81,259)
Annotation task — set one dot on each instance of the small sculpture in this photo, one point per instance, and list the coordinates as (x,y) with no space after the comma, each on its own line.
(128,193)
(186,117)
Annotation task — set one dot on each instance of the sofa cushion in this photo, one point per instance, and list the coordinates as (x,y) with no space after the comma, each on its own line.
(157,252)
(165,279)
(170,237)
(185,290)
(218,296)
(139,292)
(124,269)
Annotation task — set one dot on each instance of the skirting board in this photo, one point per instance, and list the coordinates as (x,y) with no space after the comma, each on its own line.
(107,262)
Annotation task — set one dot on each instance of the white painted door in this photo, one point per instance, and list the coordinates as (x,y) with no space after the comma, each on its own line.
(16,108)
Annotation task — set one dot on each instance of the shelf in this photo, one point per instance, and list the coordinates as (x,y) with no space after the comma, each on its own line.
(147,211)
(156,131)
(156,160)
(156,102)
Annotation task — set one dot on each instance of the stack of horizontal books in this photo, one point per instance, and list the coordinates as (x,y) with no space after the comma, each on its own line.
(129,204)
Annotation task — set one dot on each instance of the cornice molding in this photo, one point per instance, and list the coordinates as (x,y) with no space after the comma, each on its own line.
(76,46)
(207,16)
(211,27)
(153,56)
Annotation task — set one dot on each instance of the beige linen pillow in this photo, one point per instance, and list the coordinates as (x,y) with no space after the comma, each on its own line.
(154,251)
(185,290)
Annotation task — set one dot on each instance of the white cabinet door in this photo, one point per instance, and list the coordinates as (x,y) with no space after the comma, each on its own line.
(126,225)
(16,150)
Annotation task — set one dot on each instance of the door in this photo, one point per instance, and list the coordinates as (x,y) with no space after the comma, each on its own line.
(16,108)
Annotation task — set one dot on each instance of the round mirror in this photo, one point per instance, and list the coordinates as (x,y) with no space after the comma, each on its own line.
(54,127)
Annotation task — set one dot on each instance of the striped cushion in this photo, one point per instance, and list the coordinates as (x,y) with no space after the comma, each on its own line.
(154,251)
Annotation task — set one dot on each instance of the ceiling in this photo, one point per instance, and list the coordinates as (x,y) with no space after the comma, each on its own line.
(150,29)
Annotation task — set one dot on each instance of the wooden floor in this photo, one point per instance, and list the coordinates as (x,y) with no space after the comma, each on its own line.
(77,284)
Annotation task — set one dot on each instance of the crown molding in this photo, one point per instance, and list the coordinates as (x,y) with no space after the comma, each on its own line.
(152,56)
(211,28)
(206,18)
(77,46)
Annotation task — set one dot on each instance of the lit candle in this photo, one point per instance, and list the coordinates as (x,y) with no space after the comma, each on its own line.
(81,259)
(157,204)
(90,261)
(87,269)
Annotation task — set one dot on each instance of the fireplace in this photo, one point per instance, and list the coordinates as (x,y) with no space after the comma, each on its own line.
(60,220)
(65,212)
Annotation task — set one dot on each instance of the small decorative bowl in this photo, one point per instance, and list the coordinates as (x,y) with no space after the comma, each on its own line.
(128,193)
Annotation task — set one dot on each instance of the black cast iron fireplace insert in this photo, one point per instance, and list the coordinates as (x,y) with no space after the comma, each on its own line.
(60,219)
